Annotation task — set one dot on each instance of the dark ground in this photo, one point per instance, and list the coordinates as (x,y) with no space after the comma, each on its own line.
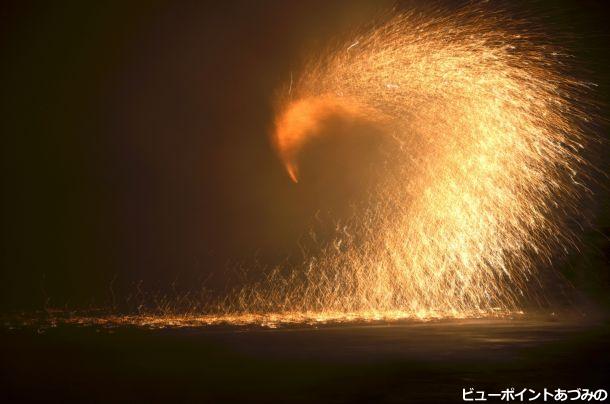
(410,362)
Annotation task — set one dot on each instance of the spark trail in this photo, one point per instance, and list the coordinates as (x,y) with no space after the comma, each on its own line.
(486,132)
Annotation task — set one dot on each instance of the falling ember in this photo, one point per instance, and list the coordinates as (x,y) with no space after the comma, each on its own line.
(488,135)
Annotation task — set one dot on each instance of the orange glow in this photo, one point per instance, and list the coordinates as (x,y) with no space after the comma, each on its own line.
(302,119)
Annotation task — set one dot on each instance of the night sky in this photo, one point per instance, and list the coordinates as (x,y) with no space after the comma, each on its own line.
(136,140)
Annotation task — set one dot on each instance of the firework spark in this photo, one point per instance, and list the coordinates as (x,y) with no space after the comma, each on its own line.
(487,134)
(486,141)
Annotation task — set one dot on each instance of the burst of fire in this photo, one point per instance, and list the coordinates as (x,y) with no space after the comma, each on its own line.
(487,132)
(487,138)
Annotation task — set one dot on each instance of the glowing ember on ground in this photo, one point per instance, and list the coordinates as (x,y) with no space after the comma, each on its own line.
(267,320)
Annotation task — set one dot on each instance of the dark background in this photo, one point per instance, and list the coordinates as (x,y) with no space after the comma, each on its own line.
(135,140)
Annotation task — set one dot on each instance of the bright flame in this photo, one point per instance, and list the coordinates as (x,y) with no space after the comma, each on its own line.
(302,119)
